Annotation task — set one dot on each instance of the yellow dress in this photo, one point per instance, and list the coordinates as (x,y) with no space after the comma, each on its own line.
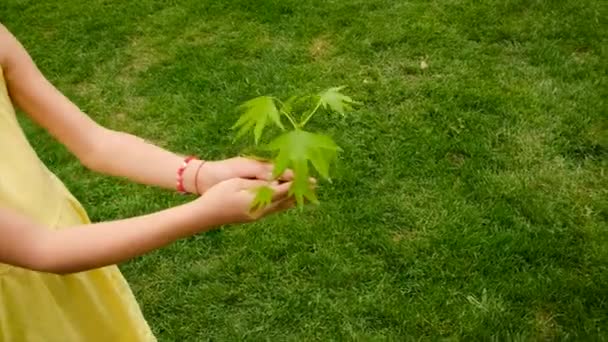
(96,305)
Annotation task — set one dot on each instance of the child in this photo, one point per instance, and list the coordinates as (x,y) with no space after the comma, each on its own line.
(57,279)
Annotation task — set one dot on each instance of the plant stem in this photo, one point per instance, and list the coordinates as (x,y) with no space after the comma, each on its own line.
(311,114)
(293,122)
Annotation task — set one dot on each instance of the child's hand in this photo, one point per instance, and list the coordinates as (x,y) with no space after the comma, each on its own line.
(214,172)
(230,201)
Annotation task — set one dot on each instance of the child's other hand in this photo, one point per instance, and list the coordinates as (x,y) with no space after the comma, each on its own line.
(230,201)
(214,172)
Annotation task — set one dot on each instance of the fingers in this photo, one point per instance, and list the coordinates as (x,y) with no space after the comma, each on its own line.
(281,205)
(250,184)
(287,175)
(287,204)
(262,169)
(281,191)
(267,173)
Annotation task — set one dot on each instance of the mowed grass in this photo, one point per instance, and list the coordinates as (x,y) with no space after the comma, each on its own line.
(471,199)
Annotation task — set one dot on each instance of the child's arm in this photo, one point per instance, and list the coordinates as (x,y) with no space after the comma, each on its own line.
(100,149)
(26,244)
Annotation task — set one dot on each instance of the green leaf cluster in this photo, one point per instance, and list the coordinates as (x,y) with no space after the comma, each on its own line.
(306,153)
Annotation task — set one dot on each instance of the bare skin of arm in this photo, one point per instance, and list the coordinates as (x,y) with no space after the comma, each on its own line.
(29,245)
(100,149)
(227,185)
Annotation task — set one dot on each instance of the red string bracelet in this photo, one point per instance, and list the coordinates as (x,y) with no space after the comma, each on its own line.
(196,177)
(180,175)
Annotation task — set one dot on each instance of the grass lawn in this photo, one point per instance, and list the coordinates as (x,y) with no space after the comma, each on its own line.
(471,199)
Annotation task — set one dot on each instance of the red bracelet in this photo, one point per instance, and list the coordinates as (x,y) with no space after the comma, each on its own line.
(180,175)
(196,177)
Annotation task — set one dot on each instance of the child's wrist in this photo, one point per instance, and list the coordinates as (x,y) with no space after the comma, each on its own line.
(193,218)
(192,177)
(205,214)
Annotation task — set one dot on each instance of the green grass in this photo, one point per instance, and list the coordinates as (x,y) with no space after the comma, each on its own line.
(471,200)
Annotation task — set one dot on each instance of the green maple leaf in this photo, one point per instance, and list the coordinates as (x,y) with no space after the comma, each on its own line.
(295,150)
(257,112)
(263,198)
(335,100)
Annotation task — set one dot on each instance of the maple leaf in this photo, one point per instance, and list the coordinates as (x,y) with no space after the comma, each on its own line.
(257,112)
(335,100)
(296,149)
(263,198)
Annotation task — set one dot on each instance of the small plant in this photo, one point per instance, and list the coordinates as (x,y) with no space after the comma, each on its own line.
(294,148)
